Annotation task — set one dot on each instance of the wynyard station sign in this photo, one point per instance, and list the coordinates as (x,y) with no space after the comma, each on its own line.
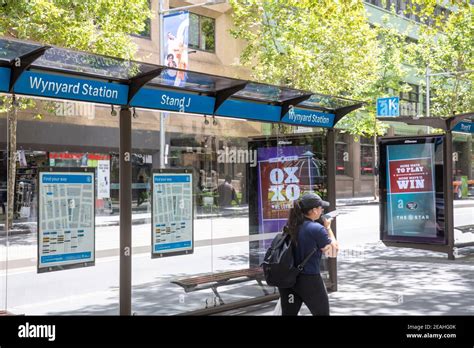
(59,86)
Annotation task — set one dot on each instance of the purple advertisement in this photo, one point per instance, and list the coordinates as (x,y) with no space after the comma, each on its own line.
(284,174)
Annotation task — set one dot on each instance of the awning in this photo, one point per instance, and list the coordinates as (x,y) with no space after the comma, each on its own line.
(34,70)
(463,123)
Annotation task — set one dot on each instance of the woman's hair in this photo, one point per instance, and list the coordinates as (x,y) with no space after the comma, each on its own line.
(295,219)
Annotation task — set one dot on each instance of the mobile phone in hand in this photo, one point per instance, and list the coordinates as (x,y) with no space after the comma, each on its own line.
(331,214)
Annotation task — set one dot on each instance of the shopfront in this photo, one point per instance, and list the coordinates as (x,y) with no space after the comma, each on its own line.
(230,175)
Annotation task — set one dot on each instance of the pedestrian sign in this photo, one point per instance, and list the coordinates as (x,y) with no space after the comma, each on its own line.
(388,106)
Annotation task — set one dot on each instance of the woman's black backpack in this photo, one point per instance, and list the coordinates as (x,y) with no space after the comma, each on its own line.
(279,264)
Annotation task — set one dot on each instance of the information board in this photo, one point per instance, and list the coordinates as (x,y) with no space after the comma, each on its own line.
(412,193)
(172,219)
(66,214)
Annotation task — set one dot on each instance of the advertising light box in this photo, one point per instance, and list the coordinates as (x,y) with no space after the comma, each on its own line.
(411,189)
(286,168)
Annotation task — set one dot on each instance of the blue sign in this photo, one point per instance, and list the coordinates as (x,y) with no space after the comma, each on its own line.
(249,110)
(65,87)
(67,179)
(175,245)
(173,101)
(163,179)
(388,106)
(66,257)
(4,79)
(464,126)
(303,117)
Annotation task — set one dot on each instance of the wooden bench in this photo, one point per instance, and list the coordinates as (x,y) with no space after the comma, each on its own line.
(213,281)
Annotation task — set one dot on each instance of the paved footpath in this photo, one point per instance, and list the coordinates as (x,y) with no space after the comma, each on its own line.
(376,280)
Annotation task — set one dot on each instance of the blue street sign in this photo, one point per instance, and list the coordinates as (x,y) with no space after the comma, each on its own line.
(388,106)
(303,117)
(66,87)
(4,79)
(465,127)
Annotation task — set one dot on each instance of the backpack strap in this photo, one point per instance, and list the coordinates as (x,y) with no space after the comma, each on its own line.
(306,259)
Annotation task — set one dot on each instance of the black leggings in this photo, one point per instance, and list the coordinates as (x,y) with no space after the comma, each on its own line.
(310,289)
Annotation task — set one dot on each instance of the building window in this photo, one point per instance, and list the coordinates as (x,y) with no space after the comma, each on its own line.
(401,6)
(366,156)
(342,155)
(202,33)
(409,101)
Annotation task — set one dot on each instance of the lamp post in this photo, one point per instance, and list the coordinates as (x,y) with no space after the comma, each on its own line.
(161,13)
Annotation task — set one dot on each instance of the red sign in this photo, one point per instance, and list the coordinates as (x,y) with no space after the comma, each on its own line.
(78,156)
(414,175)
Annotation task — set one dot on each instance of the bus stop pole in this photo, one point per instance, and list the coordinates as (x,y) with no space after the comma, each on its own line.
(331,189)
(448,191)
(125,211)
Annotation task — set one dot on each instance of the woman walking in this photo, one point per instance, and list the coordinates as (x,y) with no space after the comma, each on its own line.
(306,235)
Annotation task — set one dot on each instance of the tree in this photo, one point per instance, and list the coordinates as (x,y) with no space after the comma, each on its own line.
(390,73)
(446,46)
(96,26)
(323,46)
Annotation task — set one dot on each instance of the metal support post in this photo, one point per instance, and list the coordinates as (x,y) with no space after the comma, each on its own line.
(427,91)
(331,189)
(162,60)
(125,211)
(448,192)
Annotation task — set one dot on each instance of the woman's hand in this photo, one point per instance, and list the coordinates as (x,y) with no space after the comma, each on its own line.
(326,249)
(327,223)
(331,250)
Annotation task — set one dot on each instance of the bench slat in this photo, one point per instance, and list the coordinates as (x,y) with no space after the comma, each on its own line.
(220,277)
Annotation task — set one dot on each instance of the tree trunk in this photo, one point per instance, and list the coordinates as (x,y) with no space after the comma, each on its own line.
(12,123)
(375,161)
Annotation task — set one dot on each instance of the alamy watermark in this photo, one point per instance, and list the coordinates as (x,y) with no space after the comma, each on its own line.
(37,331)
(73,109)
(234,155)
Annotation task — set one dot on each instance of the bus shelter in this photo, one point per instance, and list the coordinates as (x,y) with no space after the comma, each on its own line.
(74,166)
(420,178)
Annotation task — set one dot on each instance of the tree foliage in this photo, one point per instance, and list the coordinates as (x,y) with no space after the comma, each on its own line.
(329,47)
(320,46)
(97,26)
(446,46)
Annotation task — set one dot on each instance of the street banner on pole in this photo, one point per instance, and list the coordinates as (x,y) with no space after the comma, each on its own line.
(175,39)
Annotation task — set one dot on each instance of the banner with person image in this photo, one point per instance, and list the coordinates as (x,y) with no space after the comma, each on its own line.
(175,39)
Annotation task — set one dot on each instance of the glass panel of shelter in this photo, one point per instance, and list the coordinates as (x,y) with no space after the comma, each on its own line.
(164,249)
(52,221)
(3,205)
(463,189)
